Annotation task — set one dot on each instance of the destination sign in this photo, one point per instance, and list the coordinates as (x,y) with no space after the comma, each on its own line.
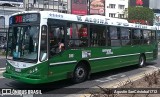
(24,18)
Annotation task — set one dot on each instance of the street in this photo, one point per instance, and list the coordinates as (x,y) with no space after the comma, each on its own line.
(66,87)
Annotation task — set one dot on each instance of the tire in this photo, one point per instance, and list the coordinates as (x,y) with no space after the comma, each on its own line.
(142,61)
(80,73)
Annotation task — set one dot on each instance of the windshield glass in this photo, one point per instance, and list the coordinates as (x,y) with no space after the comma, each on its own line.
(23,43)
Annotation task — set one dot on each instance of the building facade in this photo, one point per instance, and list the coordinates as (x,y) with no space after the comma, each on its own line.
(116,8)
(8,7)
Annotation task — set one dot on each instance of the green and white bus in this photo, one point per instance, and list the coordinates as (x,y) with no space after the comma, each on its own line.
(46,46)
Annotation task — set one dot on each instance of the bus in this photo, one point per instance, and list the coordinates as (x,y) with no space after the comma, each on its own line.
(46,46)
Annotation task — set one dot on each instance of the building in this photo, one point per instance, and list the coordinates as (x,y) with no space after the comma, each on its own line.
(116,8)
(52,5)
(8,7)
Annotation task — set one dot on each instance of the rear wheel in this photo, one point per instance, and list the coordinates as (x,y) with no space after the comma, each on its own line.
(142,61)
(80,73)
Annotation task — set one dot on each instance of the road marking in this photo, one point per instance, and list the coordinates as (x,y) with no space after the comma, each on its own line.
(111,78)
(1,77)
(154,67)
(2,68)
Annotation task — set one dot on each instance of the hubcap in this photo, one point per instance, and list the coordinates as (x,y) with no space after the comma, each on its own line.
(80,72)
(141,61)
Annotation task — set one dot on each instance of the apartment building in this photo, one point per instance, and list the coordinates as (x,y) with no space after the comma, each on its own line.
(116,8)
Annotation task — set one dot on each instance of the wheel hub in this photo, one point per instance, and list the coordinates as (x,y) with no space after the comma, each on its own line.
(80,72)
(141,61)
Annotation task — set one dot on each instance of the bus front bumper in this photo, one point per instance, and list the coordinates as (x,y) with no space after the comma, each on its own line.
(29,80)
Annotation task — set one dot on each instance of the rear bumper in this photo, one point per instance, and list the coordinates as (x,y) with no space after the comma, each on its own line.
(24,79)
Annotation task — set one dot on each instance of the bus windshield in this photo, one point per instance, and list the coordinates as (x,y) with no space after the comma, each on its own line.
(23,43)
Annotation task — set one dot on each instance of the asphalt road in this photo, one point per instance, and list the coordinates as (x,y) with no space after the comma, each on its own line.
(66,87)
(2,62)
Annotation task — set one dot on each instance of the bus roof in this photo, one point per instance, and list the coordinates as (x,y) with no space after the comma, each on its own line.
(96,19)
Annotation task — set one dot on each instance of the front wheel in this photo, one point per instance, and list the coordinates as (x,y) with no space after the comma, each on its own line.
(80,73)
(142,61)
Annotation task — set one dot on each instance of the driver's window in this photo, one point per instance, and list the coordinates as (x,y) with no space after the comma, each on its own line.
(43,52)
(56,36)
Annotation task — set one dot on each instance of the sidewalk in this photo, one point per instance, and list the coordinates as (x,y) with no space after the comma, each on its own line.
(2,57)
(114,84)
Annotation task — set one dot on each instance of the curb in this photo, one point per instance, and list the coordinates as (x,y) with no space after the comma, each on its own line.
(2,57)
(116,83)
(1,72)
(2,68)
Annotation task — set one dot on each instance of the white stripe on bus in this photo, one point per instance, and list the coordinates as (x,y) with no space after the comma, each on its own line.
(148,52)
(97,58)
(114,56)
(63,62)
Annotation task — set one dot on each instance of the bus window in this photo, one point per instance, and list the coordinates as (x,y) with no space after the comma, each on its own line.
(23,42)
(136,36)
(125,36)
(146,36)
(77,35)
(56,36)
(98,35)
(153,35)
(114,36)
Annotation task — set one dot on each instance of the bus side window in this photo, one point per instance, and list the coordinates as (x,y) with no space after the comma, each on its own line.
(146,36)
(136,37)
(56,36)
(115,36)
(153,38)
(98,35)
(125,36)
(77,35)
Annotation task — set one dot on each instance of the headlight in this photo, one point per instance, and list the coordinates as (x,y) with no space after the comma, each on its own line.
(33,70)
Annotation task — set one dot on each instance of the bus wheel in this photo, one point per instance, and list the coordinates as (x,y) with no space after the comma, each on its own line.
(142,61)
(80,73)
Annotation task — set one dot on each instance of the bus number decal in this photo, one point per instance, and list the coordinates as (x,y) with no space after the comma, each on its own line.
(86,54)
(107,51)
(71,55)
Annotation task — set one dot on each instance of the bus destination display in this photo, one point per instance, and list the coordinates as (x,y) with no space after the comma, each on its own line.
(24,18)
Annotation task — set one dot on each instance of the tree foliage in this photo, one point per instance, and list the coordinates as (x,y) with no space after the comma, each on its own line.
(141,13)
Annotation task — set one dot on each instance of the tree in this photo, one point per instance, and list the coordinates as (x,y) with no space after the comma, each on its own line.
(141,15)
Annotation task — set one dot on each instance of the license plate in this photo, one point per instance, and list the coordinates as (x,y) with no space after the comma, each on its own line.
(18,69)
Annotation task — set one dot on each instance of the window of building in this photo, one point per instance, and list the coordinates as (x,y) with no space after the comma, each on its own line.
(114,36)
(98,35)
(77,35)
(120,6)
(112,14)
(112,5)
(121,15)
(2,22)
